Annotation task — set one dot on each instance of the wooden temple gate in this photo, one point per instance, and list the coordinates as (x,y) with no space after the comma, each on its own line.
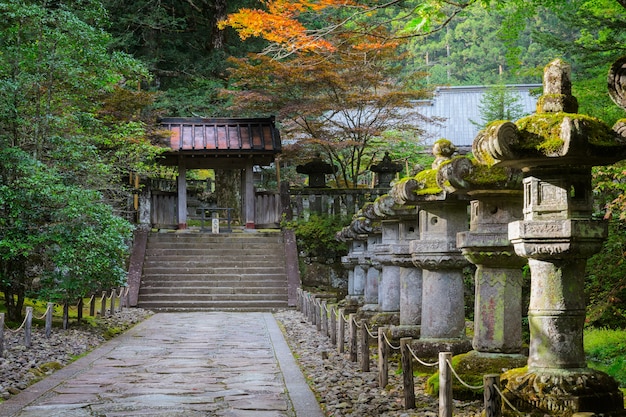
(198,143)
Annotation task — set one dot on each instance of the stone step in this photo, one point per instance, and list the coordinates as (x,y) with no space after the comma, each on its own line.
(197,272)
(248,306)
(212,270)
(222,260)
(203,238)
(206,298)
(250,253)
(147,291)
(184,282)
(200,276)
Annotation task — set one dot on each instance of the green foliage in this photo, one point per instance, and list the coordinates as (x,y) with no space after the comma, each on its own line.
(606,281)
(71,129)
(66,234)
(606,351)
(499,102)
(315,236)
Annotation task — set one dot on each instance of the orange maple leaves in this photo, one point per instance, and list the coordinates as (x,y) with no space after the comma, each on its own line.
(279,23)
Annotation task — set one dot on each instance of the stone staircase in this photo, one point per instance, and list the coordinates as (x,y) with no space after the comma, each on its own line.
(202,271)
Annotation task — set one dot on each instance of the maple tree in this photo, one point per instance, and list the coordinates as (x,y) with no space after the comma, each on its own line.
(339,104)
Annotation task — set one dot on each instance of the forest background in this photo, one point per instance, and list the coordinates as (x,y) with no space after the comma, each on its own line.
(83,83)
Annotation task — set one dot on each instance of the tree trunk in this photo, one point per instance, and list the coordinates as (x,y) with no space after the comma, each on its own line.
(228,190)
(12,284)
(217,35)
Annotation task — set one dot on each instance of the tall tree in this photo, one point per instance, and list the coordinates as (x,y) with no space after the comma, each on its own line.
(66,142)
(339,104)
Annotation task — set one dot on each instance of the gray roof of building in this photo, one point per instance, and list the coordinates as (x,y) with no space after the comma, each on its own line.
(460,105)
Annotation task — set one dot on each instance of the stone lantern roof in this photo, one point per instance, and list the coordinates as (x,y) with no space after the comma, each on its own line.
(555,135)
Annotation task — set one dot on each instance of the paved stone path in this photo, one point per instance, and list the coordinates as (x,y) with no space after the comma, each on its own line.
(179,364)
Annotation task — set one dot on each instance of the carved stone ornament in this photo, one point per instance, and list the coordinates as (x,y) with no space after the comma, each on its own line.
(617,82)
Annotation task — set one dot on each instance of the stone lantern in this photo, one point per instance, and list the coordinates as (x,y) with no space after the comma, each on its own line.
(440,195)
(556,149)
(386,171)
(316,169)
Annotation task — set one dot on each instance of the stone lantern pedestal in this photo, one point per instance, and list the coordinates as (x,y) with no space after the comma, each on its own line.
(498,280)
(556,149)
(443,306)
(498,277)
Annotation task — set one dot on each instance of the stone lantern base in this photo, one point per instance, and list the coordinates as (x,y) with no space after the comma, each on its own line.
(562,392)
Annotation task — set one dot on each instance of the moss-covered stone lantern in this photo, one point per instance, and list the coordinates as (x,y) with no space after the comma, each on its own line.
(439,193)
(556,149)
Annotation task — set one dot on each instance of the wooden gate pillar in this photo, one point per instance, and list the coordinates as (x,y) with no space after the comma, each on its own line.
(249,196)
(182,194)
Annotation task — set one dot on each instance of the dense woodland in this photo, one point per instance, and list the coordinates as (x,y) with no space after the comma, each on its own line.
(83,83)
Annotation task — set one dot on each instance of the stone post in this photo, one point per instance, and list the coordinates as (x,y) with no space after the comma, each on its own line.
(443,312)
(371,288)
(556,149)
(498,277)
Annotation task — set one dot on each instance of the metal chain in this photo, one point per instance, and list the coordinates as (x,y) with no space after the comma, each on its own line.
(421,361)
(476,387)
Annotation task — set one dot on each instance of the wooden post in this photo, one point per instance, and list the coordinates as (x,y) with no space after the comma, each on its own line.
(66,315)
(1,335)
(113,294)
(92,306)
(103,307)
(353,338)
(333,326)
(127,297)
(383,358)
(28,327)
(445,385)
(318,316)
(324,318)
(122,298)
(49,320)
(341,329)
(313,310)
(407,373)
(493,402)
(365,347)
(79,313)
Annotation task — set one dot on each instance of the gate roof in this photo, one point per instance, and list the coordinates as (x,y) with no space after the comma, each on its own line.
(220,141)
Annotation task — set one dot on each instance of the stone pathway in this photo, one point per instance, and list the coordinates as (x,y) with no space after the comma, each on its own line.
(179,364)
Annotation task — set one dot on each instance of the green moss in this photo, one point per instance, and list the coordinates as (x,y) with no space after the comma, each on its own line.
(427,180)
(483,174)
(471,367)
(542,132)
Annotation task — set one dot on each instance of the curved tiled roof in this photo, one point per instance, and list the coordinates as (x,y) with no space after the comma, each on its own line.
(222,137)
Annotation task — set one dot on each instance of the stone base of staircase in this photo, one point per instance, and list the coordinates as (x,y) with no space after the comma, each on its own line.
(196,271)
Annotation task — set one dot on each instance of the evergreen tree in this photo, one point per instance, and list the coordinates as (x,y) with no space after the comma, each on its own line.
(499,102)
